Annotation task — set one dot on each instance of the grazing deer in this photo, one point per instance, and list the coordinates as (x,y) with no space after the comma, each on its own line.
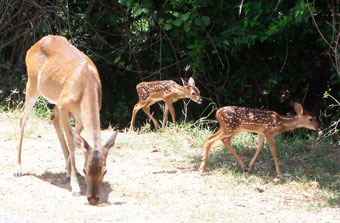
(167,91)
(69,79)
(267,124)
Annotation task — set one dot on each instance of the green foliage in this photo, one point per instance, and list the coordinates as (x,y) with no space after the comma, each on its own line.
(42,108)
(266,54)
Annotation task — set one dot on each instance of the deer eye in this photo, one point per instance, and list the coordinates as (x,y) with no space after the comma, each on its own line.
(193,93)
(84,171)
(310,119)
(105,171)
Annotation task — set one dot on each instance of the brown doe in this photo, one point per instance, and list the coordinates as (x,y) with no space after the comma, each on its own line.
(267,124)
(69,79)
(167,91)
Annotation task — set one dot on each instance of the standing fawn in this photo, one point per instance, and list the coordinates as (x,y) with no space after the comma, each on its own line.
(167,91)
(69,79)
(267,124)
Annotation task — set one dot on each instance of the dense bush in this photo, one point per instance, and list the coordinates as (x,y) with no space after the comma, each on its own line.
(261,53)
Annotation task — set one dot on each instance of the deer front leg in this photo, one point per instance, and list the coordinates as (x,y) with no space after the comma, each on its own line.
(65,120)
(208,143)
(259,149)
(272,147)
(172,111)
(78,128)
(55,118)
(227,143)
(165,115)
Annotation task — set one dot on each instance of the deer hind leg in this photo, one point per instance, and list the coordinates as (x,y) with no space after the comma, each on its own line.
(258,150)
(208,143)
(227,143)
(136,108)
(30,99)
(165,115)
(172,111)
(146,109)
(272,147)
(65,120)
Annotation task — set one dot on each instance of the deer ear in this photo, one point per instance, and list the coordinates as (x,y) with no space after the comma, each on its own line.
(184,82)
(111,141)
(191,81)
(81,143)
(298,108)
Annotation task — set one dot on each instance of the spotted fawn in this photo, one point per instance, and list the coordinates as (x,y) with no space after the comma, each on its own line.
(267,124)
(167,91)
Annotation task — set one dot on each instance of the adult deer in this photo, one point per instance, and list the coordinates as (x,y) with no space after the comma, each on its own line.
(167,91)
(69,79)
(267,124)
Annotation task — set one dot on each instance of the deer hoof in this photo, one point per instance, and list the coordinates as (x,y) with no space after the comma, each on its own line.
(202,171)
(17,174)
(76,193)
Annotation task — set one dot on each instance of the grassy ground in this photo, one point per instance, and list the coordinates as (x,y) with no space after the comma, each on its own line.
(307,162)
(152,177)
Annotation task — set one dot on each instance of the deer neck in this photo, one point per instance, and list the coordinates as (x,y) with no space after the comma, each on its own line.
(181,91)
(90,105)
(289,122)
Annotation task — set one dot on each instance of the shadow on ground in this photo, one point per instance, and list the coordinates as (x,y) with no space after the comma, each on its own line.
(59,180)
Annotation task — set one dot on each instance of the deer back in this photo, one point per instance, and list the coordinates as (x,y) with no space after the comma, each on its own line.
(155,90)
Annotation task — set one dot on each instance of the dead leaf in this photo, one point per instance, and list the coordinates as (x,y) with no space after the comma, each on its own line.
(305,194)
(165,171)
(261,188)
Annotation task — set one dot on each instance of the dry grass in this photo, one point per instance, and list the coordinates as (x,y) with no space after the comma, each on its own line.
(153,177)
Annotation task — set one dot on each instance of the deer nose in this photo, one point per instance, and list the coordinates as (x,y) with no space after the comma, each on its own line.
(200,101)
(93,200)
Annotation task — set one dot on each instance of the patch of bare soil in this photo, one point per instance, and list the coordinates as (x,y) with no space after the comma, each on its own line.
(147,181)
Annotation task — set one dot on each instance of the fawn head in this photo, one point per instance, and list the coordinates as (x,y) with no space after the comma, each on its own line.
(192,91)
(306,118)
(95,166)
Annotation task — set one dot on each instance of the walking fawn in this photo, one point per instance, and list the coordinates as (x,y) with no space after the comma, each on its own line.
(267,124)
(167,91)
(69,79)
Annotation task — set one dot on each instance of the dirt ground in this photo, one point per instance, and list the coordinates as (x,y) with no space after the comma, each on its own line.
(145,182)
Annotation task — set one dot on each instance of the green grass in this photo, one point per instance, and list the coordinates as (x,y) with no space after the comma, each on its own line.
(15,102)
(305,160)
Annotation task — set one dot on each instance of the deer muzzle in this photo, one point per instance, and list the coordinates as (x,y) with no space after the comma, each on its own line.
(93,191)
(93,200)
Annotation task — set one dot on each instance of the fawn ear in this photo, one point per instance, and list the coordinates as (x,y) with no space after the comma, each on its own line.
(110,142)
(184,82)
(298,108)
(81,143)
(191,81)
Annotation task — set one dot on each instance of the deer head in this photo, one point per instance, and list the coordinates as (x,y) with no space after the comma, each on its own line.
(94,166)
(305,118)
(192,90)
